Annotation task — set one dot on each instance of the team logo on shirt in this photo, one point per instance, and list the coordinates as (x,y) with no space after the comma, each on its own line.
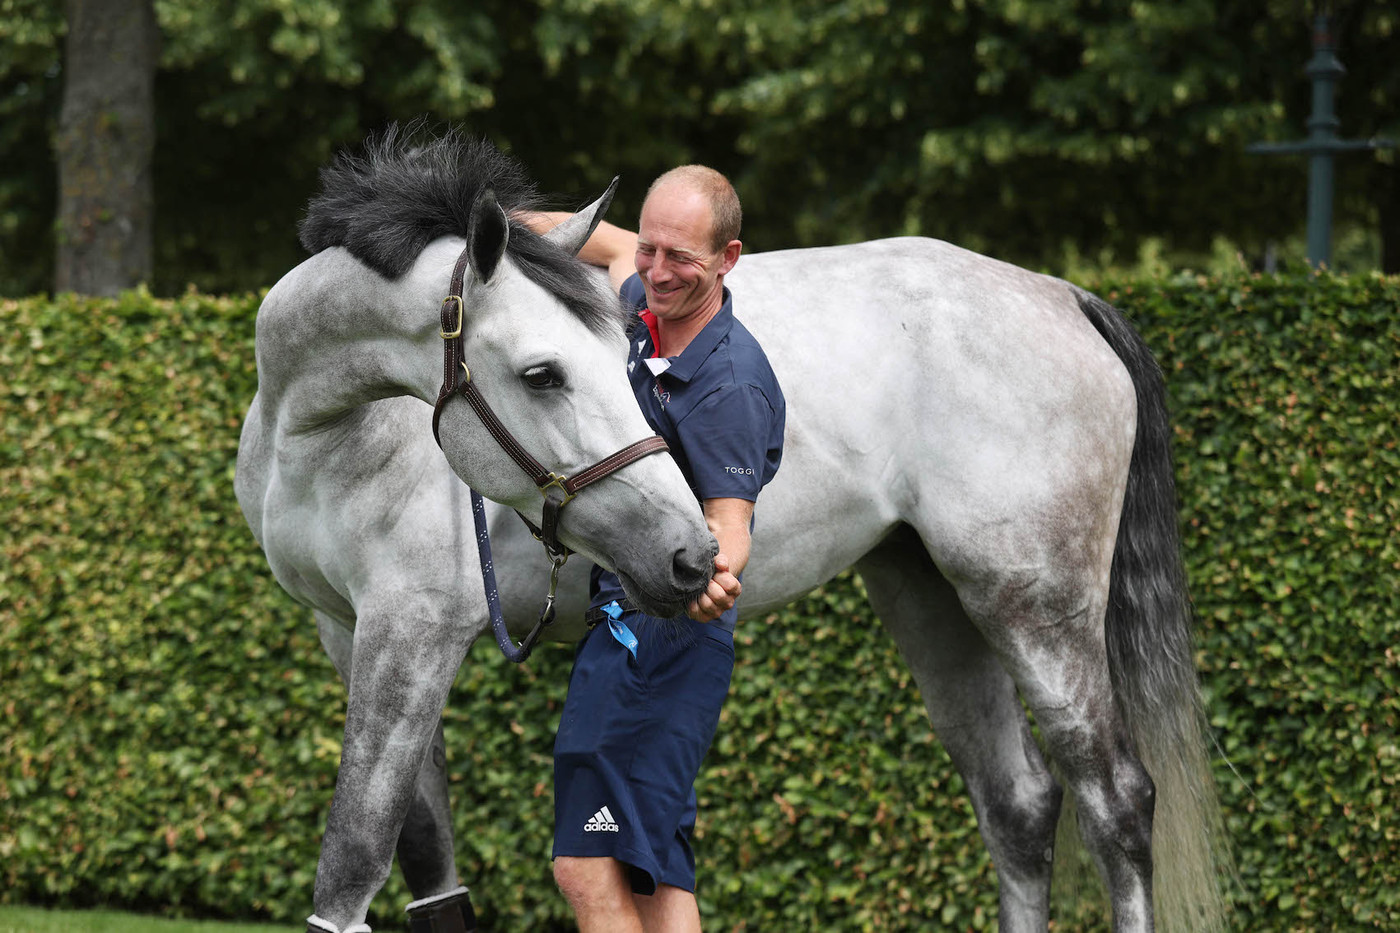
(662,396)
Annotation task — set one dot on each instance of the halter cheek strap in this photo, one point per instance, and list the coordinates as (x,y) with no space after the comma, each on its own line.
(557,490)
(457,380)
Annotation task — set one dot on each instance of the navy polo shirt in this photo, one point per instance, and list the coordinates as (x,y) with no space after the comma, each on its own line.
(717,404)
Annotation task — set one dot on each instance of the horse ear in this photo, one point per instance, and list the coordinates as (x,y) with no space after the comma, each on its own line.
(574,232)
(488,233)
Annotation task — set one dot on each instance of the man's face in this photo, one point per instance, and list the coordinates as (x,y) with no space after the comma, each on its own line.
(680,271)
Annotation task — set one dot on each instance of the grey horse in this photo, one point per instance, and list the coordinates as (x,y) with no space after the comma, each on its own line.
(989,447)
(361,515)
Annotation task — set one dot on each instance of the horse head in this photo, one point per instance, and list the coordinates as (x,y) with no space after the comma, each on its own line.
(546,361)
(541,339)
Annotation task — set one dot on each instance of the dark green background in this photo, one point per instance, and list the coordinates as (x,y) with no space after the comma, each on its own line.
(1059,134)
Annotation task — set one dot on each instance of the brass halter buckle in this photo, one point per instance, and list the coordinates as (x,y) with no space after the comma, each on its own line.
(458,332)
(557,482)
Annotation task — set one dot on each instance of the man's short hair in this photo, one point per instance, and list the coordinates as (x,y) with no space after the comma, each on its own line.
(725,211)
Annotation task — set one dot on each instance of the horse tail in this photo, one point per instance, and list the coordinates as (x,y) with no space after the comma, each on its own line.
(1150,654)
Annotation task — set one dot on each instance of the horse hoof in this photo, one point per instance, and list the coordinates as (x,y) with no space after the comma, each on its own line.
(446,913)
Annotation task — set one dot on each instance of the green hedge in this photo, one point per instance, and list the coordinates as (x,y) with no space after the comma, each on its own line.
(169,728)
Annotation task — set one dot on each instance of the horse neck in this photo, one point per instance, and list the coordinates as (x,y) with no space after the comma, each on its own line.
(333,336)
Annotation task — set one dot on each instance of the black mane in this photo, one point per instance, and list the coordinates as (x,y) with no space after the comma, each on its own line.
(388,202)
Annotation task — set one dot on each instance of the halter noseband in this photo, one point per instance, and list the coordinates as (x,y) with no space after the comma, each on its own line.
(557,490)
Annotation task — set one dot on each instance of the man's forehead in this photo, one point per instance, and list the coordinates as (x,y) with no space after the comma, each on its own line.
(676,216)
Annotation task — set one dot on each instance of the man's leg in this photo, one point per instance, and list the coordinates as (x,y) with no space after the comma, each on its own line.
(669,910)
(600,893)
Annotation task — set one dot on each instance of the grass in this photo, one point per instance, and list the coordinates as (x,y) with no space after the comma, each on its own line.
(39,920)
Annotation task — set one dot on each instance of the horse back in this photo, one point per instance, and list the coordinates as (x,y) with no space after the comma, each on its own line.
(932,386)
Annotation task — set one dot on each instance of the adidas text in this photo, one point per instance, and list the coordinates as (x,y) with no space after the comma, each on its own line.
(602,822)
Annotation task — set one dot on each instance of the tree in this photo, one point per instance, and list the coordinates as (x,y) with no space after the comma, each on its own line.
(1023,129)
(30,90)
(1369,105)
(105,142)
(1019,129)
(263,92)
(1027,130)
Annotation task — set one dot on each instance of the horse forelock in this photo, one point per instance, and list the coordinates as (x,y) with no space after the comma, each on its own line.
(403,190)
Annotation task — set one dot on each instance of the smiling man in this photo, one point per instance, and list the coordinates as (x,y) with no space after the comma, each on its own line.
(645,694)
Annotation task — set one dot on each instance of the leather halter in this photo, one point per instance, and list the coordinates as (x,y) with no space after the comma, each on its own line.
(557,490)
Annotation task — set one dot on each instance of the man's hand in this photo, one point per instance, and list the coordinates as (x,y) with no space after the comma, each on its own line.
(719,596)
(728,520)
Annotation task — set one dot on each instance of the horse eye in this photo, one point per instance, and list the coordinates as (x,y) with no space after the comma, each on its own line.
(542,377)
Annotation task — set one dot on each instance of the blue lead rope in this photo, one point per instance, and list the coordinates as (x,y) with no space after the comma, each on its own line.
(509,648)
(619,628)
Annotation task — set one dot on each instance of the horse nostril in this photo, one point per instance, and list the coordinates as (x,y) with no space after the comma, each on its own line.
(685,568)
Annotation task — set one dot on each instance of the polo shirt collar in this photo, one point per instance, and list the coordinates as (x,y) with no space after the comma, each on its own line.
(684,366)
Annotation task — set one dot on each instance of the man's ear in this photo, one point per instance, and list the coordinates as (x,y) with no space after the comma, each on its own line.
(730,256)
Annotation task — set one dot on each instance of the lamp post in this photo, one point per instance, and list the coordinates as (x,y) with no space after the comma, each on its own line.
(1322,144)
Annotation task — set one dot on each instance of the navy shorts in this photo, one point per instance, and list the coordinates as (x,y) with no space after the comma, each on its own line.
(631,739)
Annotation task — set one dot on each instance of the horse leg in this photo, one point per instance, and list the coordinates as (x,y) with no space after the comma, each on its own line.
(398,683)
(425,847)
(972,703)
(1045,620)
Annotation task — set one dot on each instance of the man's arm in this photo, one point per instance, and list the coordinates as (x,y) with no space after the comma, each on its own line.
(729,521)
(610,246)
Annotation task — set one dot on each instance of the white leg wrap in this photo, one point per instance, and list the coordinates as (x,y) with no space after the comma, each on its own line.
(320,924)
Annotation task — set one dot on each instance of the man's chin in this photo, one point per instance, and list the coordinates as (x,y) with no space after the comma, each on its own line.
(662,304)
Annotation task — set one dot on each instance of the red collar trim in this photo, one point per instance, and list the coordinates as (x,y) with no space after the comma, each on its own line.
(649,320)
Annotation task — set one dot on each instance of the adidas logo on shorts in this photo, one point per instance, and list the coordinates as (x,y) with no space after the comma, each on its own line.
(602,822)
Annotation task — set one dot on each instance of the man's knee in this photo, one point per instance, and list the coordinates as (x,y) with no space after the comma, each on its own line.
(569,876)
(591,880)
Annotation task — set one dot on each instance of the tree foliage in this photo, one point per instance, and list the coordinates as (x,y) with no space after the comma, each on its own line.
(1025,128)
(30,94)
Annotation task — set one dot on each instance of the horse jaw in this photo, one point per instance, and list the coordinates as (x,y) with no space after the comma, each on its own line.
(662,569)
(642,523)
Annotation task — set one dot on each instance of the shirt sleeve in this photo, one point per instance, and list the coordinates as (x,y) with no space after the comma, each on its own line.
(729,439)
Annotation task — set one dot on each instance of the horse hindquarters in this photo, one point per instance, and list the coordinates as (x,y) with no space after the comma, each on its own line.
(1149,643)
(1075,580)
(1022,523)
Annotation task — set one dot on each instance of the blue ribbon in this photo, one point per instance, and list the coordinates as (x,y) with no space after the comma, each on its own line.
(619,629)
